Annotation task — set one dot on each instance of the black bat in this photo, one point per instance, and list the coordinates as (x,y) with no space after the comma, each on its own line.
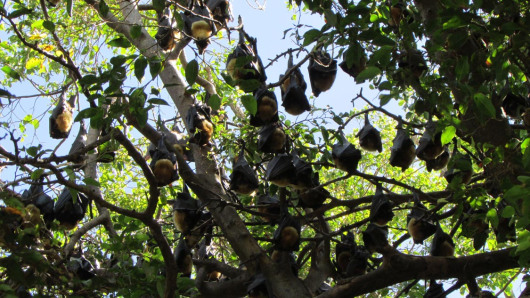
(163,164)
(430,145)
(369,137)
(203,228)
(185,214)
(381,210)
(200,124)
(53,3)
(81,267)
(166,34)
(435,290)
(403,151)
(69,211)
(243,179)
(356,68)
(259,287)
(79,144)
(199,25)
(293,89)
(358,262)
(221,11)
(178,140)
(305,177)
(244,63)
(272,139)
(281,170)
(285,257)
(269,205)
(313,197)
(183,258)
(62,118)
(345,156)
(287,235)
(505,230)
(442,244)
(439,162)
(344,250)
(322,72)
(375,237)
(461,168)
(35,195)
(514,105)
(413,60)
(267,111)
(418,223)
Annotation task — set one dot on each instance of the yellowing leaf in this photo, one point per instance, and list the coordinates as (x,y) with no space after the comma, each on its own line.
(48,47)
(37,36)
(33,62)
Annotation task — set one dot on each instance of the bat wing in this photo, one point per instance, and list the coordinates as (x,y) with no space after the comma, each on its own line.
(185,202)
(279,165)
(80,141)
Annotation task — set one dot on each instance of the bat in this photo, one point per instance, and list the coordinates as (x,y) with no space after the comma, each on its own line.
(284,257)
(476,226)
(221,11)
(369,136)
(344,250)
(460,168)
(79,144)
(272,139)
(62,118)
(200,124)
(514,105)
(267,111)
(439,162)
(435,290)
(324,287)
(69,211)
(345,156)
(322,72)
(166,34)
(243,179)
(505,230)
(35,195)
(53,3)
(313,197)
(305,177)
(418,224)
(163,164)
(203,228)
(244,63)
(358,262)
(375,237)
(183,258)
(381,209)
(356,68)
(412,60)
(430,145)
(442,244)
(269,205)
(403,151)
(185,214)
(204,254)
(293,89)
(178,141)
(281,170)
(259,287)
(199,25)
(81,267)
(287,235)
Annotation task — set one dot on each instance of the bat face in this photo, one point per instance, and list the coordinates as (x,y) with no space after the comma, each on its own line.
(69,211)
(270,205)
(403,151)
(370,138)
(199,122)
(199,26)
(62,119)
(345,156)
(267,108)
(396,12)
(287,236)
(163,164)
(439,162)
(272,139)
(281,170)
(244,63)
(375,237)
(322,71)
(358,262)
(420,229)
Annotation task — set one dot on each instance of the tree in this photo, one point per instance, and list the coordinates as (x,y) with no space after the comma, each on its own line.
(459,70)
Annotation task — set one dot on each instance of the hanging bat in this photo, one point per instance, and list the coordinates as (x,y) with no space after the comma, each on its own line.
(413,60)
(272,139)
(287,236)
(381,209)
(243,179)
(69,211)
(35,195)
(369,137)
(442,244)
(221,11)
(293,89)
(356,68)
(267,111)
(403,151)
(204,253)
(435,290)
(285,257)
(514,105)
(475,225)
(344,250)
(430,145)
(244,63)
(305,177)
(183,258)
(62,118)
(166,34)
(418,223)
(200,124)
(439,162)
(178,141)
(345,156)
(199,25)
(185,214)
(80,266)
(460,168)
(53,3)
(324,287)
(11,223)
(322,72)
(202,228)
(269,205)
(79,144)
(313,197)
(163,164)
(358,262)
(281,170)
(505,230)
(259,287)
(375,237)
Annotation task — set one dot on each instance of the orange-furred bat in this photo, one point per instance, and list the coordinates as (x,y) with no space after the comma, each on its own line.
(430,145)
(185,214)
(419,225)
(287,235)
(322,72)
(305,177)
(439,162)
(69,211)
(269,205)
(203,228)
(369,136)
(375,237)
(244,63)
(62,118)
(344,251)
(199,25)
(460,167)
(293,89)
(243,179)
(200,124)
(396,12)
(358,262)
(313,197)
(285,257)
(435,290)
(381,210)
(267,108)
(221,11)
(281,170)
(259,287)
(442,244)
(403,151)
(35,195)
(183,258)
(167,33)
(163,164)
(272,139)
(345,156)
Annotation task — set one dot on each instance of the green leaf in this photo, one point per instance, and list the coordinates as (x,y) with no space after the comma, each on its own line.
(250,103)
(158,101)
(103,8)
(139,67)
(11,72)
(484,105)
(120,42)
(462,68)
(214,102)
(89,80)
(331,18)
(508,212)
(448,134)
(249,85)
(33,150)
(369,73)
(49,25)
(136,31)
(87,113)
(19,12)
(159,5)
(69,7)
(310,36)
(192,71)
(493,217)
(454,22)
(155,67)
(36,174)
(90,181)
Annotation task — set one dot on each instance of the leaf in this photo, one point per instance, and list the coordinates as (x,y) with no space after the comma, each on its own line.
(120,42)
(49,25)
(33,62)
(139,67)
(159,5)
(454,22)
(330,17)
(158,101)
(87,113)
(462,68)
(311,36)
(192,71)
(69,7)
(250,103)
(214,102)
(493,217)
(103,8)
(136,31)
(37,174)
(249,85)
(508,212)
(89,80)
(369,73)
(484,105)
(11,72)
(19,12)
(90,181)
(448,134)
(155,67)
(33,150)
